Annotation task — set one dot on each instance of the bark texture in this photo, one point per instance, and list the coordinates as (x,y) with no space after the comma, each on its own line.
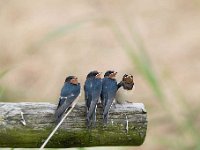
(28,124)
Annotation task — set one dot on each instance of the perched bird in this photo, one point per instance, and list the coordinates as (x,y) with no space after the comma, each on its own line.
(92,88)
(69,93)
(126,92)
(108,93)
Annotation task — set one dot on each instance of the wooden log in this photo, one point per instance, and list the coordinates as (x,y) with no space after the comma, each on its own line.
(28,124)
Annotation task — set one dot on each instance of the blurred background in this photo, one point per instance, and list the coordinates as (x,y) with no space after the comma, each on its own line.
(42,42)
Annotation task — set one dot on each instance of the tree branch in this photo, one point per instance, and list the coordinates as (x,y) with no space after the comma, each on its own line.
(29,124)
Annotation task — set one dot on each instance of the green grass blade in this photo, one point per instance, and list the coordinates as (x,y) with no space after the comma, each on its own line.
(141,63)
(61,31)
(3,73)
(57,33)
(136,38)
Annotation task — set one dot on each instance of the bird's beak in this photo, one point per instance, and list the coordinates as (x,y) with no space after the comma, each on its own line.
(99,75)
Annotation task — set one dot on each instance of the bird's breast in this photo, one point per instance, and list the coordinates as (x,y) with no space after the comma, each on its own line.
(124,95)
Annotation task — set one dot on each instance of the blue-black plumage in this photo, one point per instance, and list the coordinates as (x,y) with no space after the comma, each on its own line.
(92,88)
(69,92)
(108,93)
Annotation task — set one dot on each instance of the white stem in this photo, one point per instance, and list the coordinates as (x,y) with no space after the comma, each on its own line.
(58,125)
(23,121)
(126,124)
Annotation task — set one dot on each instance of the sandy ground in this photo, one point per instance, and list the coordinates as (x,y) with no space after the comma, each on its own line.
(41,42)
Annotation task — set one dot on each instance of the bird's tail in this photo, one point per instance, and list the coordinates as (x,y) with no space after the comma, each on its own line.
(91,113)
(106,110)
(58,115)
(60,111)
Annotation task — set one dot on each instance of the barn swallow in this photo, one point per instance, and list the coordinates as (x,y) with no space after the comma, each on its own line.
(69,92)
(109,89)
(124,93)
(92,88)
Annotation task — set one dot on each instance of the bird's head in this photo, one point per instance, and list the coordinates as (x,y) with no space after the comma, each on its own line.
(110,74)
(72,80)
(94,74)
(128,79)
(127,82)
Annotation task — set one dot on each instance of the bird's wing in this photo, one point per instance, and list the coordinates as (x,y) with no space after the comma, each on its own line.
(109,95)
(104,95)
(66,102)
(120,84)
(92,108)
(93,96)
(88,93)
(61,101)
(107,107)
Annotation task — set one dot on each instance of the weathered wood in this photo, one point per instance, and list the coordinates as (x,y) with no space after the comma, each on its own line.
(127,126)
